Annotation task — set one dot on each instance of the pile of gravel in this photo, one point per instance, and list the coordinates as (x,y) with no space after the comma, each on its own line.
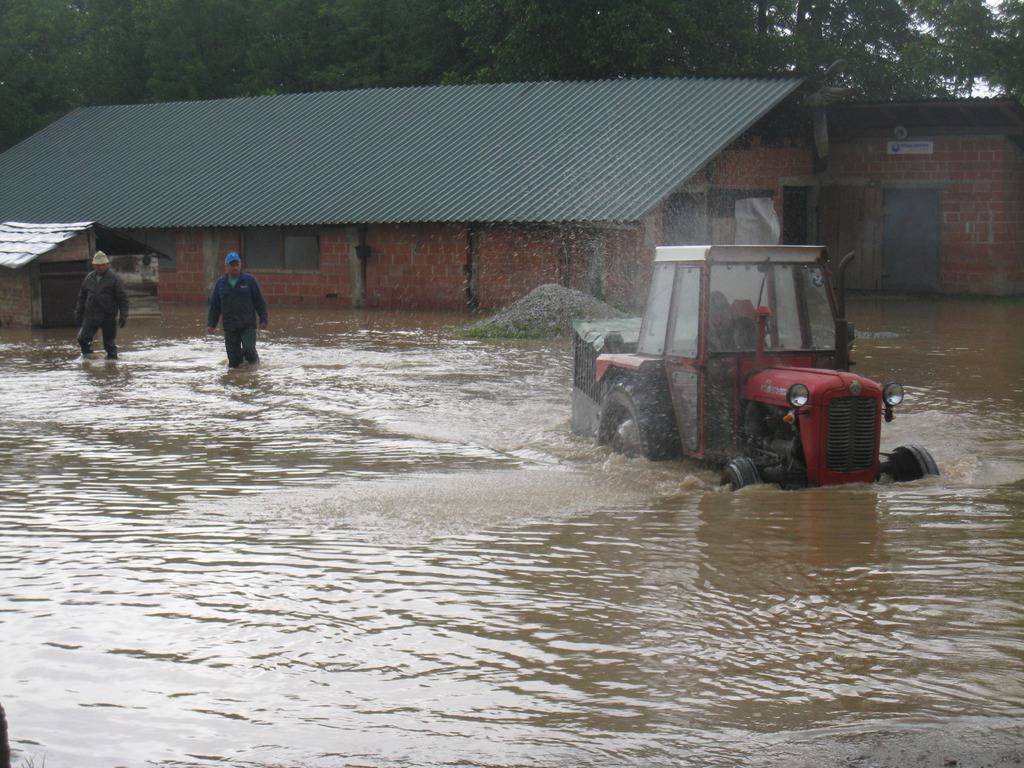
(547,310)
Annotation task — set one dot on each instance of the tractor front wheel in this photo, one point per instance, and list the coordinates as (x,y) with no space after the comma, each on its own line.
(741,472)
(910,462)
(637,421)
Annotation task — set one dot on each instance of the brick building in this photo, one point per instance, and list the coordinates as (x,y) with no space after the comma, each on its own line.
(438,197)
(470,196)
(929,194)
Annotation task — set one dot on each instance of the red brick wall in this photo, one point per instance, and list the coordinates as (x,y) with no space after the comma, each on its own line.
(330,286)
(186,282)
(629,260)
(761,167)
(423,266)
(515,259)
(982,203)
(512,260)
(15,297)
(416,266)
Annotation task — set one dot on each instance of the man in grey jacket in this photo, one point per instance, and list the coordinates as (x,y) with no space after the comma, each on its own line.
(100,300)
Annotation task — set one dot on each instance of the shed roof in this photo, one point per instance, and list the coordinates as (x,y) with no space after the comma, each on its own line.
(1000,115)
(21,242)
(550,151)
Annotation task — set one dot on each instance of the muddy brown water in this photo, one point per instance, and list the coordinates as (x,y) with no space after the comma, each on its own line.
(382,547)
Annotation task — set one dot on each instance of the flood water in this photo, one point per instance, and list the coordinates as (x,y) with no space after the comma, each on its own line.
(382,547)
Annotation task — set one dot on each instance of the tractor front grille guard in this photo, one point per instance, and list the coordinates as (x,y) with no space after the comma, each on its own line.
(584,368)
(851,433)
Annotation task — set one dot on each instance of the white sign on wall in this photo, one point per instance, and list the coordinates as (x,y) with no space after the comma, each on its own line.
(910,147)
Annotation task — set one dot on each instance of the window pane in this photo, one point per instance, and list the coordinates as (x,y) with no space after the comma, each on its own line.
(652,332)
(687,309)
(302,252)
(262,249)
(735,290)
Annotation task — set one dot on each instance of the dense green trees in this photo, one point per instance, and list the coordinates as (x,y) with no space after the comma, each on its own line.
(56,55)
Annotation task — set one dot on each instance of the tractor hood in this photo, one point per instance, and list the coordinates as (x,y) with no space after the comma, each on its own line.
(771,384)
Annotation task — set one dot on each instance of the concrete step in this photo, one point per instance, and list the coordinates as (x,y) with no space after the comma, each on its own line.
(142,304)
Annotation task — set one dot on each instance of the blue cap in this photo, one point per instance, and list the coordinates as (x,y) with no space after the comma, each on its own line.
(232,257)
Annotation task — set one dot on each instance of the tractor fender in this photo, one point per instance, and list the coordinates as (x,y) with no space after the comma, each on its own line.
(626,362)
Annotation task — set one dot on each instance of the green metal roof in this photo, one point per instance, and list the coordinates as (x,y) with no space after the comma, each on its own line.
(517,152)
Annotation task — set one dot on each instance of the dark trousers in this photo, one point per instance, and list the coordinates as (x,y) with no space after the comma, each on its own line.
(88,331)
(240,344)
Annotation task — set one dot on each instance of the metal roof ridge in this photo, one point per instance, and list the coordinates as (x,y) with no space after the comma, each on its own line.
(435,86)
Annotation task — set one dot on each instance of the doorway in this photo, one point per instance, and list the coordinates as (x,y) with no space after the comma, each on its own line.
(59,283)
(910,240)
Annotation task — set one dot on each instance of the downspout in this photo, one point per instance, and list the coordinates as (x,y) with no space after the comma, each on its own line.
(471,268)
(564,257)
(362,256)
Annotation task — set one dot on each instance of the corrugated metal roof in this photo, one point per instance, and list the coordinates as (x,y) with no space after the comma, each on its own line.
(21,242)
(550,151)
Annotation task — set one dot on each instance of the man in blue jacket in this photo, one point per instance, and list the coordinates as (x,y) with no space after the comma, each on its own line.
(238,300)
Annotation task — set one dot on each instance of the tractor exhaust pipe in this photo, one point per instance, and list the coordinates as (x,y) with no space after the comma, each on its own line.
(844,328)
(841,282)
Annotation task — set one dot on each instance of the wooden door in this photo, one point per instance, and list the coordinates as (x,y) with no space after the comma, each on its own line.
(850,219)
(59,283)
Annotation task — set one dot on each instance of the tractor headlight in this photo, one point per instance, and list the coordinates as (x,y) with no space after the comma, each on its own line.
(892,393)
(798,395)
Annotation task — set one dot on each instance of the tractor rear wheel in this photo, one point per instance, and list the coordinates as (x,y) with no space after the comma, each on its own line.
(911,462)
(741,472)
(638,420)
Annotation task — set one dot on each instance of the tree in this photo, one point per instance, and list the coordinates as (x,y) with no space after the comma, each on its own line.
(113,54)
(578,39)
(56,55)
(197,49)
(389,43)
(1008,53)
(40,56)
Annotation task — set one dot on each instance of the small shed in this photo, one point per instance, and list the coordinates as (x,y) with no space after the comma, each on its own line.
(930,195)
(42,266)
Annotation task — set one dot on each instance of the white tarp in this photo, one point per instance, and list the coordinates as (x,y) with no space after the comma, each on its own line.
(21,243)
(756,222)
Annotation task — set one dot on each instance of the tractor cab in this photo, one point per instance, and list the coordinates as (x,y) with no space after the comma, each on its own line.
(741,360)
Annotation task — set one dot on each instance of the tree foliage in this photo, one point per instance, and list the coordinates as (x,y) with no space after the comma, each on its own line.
(56,55)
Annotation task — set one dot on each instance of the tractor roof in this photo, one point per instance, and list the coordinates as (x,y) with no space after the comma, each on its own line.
(739,254)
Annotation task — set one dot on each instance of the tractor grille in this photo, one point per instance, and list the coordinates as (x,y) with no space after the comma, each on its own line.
(584,368)
(851,433)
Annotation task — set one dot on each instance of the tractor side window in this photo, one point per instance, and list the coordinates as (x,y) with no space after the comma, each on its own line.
(819,310)
(785,320)
(655,323)
(686,304)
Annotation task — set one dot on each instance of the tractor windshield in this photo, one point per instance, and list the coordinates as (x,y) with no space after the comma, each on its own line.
(796,294)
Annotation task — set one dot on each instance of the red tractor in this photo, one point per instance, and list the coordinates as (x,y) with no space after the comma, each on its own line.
(741,360)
